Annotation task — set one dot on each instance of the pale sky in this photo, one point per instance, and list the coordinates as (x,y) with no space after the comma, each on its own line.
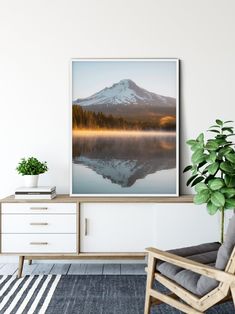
(89,77)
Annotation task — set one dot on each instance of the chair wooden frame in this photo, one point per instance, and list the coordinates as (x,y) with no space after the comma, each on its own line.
(192,303)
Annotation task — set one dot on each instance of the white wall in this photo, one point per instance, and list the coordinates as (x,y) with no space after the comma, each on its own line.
(38,38)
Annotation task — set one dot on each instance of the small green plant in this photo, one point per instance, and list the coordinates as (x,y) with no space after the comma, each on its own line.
(213,170)
(31,166)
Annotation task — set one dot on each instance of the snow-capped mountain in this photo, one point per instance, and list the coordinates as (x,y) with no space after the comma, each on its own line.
(125,92)
(124,172)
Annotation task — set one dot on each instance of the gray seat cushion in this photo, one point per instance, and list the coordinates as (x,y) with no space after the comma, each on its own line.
(204,253)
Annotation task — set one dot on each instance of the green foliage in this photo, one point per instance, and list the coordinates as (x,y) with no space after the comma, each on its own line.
(213,168)
(85,119)
(31,166)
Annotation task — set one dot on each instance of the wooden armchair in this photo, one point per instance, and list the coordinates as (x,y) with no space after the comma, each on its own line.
(199,285)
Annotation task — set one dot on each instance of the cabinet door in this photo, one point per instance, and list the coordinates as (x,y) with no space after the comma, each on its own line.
(116,227)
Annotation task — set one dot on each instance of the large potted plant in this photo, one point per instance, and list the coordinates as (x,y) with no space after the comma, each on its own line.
(31,168)
(213,170)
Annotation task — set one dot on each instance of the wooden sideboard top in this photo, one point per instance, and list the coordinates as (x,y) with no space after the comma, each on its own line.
(65,198)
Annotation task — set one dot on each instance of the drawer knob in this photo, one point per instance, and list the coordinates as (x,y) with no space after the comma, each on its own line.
(38,243)
(38,223)
(39,208)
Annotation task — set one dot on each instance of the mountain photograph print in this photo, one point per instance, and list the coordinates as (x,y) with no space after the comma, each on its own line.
(124,127)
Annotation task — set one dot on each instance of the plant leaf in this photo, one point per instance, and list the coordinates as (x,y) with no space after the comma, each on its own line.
(220,141)
(204,171)
(191,179)
(230,157)
(201,164)
(215,131)
(228,121)
(211,208)
(199,179)
(219,122)
(198,156)
(216,184)
(187,168)
(228,191)
(210,177)
(211,157)
(191,142)
(221,136)
(230,203)
(200,137)
(200,187)
(196,146)
(225,151)
(226,167)
(215,126)
(213,168)
(230,135)
(229,181)
(201,197)
(217,199)
(194,170)
(212,145)
(230,130)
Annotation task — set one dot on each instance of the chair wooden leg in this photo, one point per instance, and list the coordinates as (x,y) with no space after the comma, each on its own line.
(21,265)
(150,279)
(30,262)
(232,288)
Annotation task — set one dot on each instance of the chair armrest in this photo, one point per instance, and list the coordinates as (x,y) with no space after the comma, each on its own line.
(196,267)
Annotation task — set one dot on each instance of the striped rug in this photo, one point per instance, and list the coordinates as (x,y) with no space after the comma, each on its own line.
(29,294)
(86,294)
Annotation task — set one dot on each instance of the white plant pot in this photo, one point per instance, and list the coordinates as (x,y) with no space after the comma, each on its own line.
(31,181)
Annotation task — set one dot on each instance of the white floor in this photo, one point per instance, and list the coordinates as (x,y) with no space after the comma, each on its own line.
(74,269)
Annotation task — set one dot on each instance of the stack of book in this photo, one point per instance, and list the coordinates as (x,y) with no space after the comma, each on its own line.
(38,193)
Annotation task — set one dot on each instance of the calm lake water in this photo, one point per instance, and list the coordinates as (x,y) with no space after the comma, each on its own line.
(125,162)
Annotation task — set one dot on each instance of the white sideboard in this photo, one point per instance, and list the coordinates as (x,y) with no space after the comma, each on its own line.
(39,228)
(98,228)
(113,228)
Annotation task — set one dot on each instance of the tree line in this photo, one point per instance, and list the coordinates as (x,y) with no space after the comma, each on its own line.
(84,119)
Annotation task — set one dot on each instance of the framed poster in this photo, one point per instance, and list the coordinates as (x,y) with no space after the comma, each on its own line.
(124,127)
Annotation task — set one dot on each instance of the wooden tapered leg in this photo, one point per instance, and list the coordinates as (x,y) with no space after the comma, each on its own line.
(232,288)
(150,278)
(21,265)
(30,262)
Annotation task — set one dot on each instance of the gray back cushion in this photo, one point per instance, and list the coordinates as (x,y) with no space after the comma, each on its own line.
(226,248)
(205,284)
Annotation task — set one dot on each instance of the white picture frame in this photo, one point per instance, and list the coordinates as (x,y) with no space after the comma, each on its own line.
(92,169)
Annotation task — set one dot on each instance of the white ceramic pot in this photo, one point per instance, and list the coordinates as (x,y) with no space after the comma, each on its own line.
(31,181)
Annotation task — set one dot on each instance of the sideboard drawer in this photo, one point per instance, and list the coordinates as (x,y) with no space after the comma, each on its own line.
(39,243)
(39,208)
(38,223)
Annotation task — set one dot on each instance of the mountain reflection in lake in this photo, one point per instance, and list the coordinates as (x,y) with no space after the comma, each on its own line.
(119,160)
